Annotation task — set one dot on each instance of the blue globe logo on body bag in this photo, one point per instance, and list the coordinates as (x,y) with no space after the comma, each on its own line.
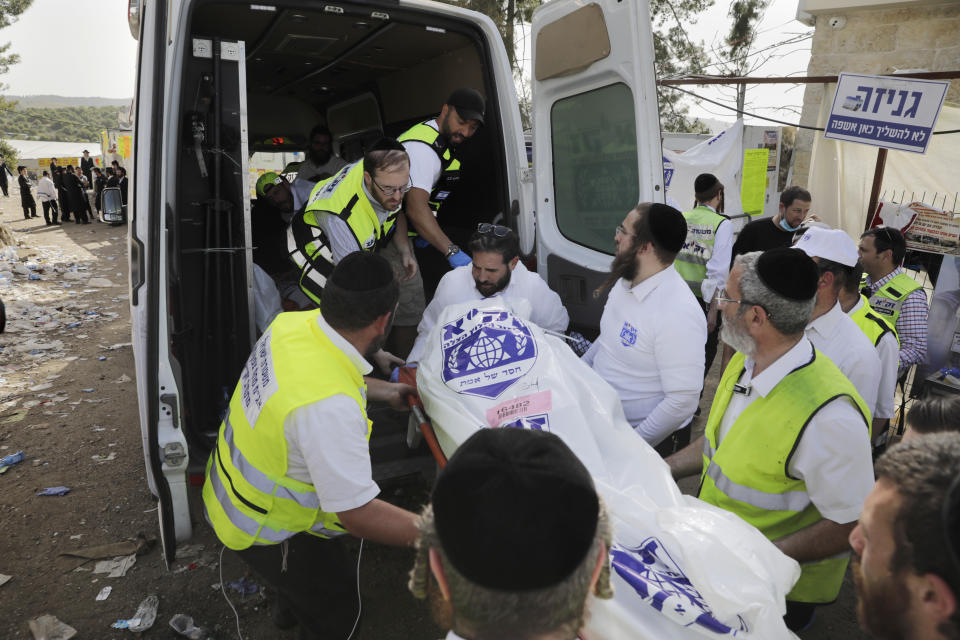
(486,351)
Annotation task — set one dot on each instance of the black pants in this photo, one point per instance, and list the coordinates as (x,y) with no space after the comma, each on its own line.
(48,206)
(30,210)
(799,615)
(319,586)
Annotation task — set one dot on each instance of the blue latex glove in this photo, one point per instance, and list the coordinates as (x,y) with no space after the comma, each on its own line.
(420,243)
(459,259)
(395,374)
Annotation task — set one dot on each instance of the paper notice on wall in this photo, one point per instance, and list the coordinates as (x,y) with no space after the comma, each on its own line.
(126,145)
(924,228)
(753,183)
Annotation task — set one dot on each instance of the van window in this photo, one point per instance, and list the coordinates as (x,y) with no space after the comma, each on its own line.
(595,172)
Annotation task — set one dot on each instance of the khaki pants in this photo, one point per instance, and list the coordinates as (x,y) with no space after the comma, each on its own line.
(412,301)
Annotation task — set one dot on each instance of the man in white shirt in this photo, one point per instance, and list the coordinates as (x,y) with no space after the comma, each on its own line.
(884,339)
(290,473)
(516,538)
(652,331)
(496,271)
(48,198)
(830,329)
(321,162)
(704,260)
(786,446)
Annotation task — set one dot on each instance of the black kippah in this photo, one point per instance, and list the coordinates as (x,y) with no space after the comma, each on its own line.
(788,272)
(706,187)
(668,226)
(362,271)
(515,509)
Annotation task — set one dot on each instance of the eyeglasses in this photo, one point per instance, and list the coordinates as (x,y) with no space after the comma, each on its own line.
(722,298)
(497,230)
(389,191)
(622,230)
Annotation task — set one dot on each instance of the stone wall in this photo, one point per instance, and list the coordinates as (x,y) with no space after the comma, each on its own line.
(877,42)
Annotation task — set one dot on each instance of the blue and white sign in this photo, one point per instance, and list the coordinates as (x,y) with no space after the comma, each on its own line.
(484,352)
(886,111)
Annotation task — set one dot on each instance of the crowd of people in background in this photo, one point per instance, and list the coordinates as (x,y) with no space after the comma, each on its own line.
(65,191)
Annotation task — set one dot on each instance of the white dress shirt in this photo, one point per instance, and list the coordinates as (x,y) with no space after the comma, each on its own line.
(327,442)
(650,350)
(888,349)
(46,189)
(547,312)
(841,340)
(718,266)
(833,456)
(424,162)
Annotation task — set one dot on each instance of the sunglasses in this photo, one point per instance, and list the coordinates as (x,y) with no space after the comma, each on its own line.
(498,231)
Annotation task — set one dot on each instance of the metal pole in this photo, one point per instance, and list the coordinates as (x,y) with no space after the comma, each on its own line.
(875,190)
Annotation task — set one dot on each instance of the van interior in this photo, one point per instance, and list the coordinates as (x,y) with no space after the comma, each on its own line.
(259,78)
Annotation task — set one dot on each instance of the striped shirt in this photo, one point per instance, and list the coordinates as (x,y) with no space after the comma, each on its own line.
(912,323)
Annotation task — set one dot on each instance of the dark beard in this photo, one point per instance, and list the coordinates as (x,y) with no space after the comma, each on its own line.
(317,158)
(881,608)
(624,265)
(487,290)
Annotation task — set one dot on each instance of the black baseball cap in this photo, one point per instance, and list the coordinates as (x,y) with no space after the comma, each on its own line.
(468,103)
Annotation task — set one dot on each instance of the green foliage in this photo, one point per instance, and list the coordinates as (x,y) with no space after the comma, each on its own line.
(10,10)
(676,55)
(9,155)
(65,124)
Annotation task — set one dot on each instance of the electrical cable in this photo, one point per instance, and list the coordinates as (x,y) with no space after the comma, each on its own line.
(359,599)
(759,117)
(226,597)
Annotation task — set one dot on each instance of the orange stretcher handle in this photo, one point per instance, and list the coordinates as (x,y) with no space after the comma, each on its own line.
(408,375)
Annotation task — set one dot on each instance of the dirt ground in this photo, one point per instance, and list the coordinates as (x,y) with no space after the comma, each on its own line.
(72,409)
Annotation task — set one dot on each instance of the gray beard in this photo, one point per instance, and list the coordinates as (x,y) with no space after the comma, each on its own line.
(733,334)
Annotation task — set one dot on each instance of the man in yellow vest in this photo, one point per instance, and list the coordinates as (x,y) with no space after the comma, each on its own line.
(704,260)
(884,338)
(893,294)
(291,472)
(787,442)
(357,209)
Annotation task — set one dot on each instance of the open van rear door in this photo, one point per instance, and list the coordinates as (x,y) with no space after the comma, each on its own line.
(596,139)
(164,443)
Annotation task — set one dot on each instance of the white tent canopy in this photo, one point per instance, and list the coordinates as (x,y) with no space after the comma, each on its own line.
(32,151)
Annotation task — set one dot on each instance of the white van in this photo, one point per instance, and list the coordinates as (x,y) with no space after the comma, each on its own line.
(221,79)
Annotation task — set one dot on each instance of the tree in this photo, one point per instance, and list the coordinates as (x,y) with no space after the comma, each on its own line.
(745,14)
(10,11)
(676,55)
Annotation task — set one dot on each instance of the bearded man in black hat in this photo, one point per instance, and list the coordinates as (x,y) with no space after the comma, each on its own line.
(516,538)
(652,331)
(704,261)
(787,442)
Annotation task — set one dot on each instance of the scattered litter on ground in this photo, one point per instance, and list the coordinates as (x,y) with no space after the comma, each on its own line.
(101,459)
(54,491)
(244,586)
(18,415)
(41,387)
(101,358)
(104,593)
(99,282)
(144,617)
(183,625)
(4,579)
(10,460)
(47,627)
(87,390)
(123,378)
(116,568)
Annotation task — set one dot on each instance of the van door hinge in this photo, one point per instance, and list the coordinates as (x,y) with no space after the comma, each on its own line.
(170,408)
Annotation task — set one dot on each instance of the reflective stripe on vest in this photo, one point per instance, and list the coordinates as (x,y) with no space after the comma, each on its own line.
(691,262)
(449,164)
(341,195)
(748,473)
(887,301)
(248,497)
(872,325)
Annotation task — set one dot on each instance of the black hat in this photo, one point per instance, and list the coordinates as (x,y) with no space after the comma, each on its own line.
(792,274)
(468,103)
(515,509)
(362,271)
(706,187)
(668,226)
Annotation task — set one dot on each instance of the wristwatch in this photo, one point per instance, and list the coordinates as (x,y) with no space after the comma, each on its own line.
(452,249)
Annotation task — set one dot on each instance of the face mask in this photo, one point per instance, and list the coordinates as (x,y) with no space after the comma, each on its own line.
(786,227)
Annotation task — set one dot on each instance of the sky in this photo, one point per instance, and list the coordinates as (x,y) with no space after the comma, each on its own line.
(79,48)
(84,48)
